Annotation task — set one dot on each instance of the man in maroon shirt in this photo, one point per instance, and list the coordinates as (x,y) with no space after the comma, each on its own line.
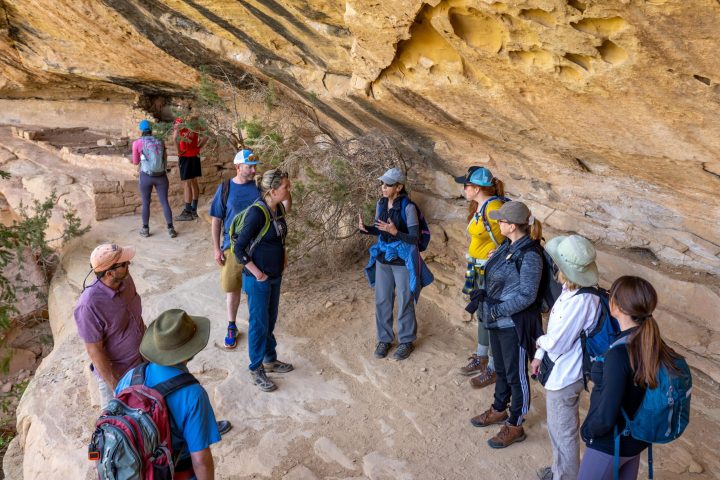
(109,320)
(189,143)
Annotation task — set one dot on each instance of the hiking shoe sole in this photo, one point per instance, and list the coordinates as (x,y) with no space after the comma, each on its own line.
(278,367)
(185,217)
(492,444)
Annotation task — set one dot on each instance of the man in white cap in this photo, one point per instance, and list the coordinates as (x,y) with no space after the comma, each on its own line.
(108,316)
(232,197)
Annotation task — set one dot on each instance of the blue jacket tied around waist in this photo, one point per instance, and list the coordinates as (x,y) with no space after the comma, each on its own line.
(420,275)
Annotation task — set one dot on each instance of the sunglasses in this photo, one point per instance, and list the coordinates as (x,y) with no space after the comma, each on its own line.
(389,185)
(119,265)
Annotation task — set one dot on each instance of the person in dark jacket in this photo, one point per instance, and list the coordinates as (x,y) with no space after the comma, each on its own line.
(620,382)
(391,274)
(264,257)
(511,312)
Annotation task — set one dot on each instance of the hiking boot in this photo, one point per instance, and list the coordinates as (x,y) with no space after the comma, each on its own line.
(544,473)
(476,364)
(185,216)
(231,337)
(144,232)
(223,426)
(507,435)
(260,380)
(278,367)
(489,417)
(486,378)
(403,351)
(172,232)
(194,214)
(382,349)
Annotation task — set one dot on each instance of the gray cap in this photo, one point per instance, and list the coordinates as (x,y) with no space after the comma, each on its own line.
(393,176)
(512,212)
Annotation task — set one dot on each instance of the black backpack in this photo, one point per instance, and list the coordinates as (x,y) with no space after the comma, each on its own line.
(550,289)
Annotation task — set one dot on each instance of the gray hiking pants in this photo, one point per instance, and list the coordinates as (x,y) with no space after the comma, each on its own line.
(562,424)
(390,279)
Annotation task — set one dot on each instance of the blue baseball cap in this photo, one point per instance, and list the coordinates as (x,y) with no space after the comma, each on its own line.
(479,176)
(245,157)
(145,126)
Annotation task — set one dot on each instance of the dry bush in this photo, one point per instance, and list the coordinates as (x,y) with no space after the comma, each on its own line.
(333,181)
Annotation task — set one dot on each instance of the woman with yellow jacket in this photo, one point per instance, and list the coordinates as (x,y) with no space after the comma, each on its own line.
(485,194)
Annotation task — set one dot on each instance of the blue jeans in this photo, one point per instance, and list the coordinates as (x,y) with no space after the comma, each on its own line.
(263,301)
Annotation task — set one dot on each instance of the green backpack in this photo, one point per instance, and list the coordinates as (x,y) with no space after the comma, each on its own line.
(239,221)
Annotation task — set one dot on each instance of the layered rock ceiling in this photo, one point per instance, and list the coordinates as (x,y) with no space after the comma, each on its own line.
(602,115)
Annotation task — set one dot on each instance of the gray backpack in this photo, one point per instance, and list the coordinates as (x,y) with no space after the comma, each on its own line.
(152,156)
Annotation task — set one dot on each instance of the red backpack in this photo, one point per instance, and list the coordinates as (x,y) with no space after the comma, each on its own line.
(132,436)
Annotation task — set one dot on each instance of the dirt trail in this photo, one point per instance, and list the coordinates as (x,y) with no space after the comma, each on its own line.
(340,415)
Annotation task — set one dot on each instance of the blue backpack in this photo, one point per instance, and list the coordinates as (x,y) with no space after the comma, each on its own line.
(424,239)
(664,412)
(152,156)
(597,342)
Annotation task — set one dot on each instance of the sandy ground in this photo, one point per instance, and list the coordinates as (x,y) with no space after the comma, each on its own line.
(340,415)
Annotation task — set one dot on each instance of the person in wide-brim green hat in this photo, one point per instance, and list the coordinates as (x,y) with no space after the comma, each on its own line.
(575,256)
(175,337)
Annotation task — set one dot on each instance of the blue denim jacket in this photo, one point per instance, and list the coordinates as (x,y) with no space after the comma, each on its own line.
(510,291)
(419,274)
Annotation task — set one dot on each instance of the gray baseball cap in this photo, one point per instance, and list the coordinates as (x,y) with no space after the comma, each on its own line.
(512,212)
(393,176)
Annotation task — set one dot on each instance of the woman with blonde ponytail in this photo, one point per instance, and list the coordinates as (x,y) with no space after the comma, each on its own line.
(260,246)
(485,194)
(620,383)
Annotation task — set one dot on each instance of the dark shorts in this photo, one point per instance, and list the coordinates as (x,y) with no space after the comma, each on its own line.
(189,167)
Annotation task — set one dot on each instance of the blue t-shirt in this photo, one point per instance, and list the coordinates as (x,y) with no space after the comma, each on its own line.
(192,420)
(239,198)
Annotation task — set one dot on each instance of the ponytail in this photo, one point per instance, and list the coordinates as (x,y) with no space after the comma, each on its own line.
(499,187)
(472,209)
(535,230)
(637,298)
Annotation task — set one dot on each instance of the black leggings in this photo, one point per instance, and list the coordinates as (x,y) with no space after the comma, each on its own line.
(161,184)
(512,384)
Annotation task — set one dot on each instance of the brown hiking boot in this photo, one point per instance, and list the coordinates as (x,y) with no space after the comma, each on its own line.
(487,377)
(507,435)
(489,417)
(476,364)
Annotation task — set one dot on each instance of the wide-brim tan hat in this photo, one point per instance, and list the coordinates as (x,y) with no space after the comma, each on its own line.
(575,256)
(174,337)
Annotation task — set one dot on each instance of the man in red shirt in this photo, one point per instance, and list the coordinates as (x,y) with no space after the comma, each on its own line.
(189,143)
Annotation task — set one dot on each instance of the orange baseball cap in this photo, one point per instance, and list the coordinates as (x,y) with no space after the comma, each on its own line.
(108,254)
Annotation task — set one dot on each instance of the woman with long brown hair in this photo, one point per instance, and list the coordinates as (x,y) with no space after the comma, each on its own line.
(630,367)
(486,194)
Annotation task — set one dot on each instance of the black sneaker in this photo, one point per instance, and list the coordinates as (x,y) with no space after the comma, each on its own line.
(223,426)
(382,349)
(403,351)
(185,216)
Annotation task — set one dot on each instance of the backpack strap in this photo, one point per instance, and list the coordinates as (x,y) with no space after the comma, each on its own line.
(486,221)
(224,194)
(138,374)
(174,384)
(266,227)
